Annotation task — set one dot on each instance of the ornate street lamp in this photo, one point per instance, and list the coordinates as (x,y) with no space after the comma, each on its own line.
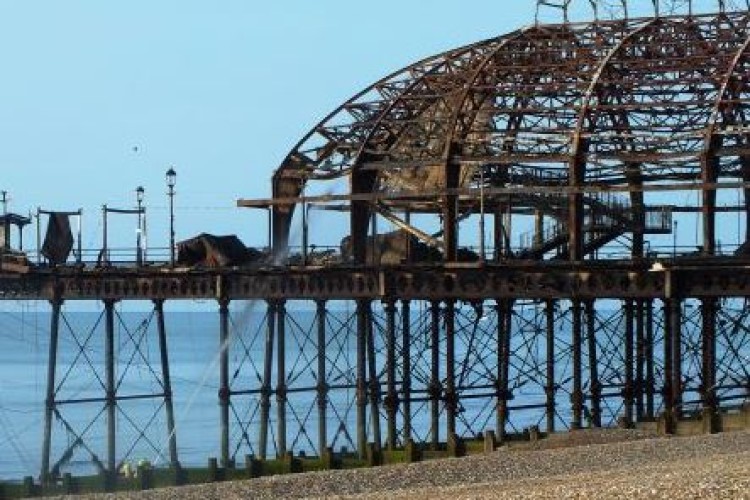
(139,192)
(171,181)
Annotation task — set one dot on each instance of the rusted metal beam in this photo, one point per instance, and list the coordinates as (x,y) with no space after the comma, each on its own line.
(693,277)
(666,187)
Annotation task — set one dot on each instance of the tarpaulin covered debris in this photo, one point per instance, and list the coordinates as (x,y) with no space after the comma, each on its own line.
(58,242)
(208,250)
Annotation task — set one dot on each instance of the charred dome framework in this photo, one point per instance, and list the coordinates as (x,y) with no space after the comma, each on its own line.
(588,128)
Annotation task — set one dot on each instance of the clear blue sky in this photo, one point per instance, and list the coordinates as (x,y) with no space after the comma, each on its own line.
(221,90)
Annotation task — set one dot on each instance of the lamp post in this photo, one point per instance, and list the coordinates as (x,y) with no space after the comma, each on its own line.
(171,181)
(139,191)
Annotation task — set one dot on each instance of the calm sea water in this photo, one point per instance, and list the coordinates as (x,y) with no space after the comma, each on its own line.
(24,345)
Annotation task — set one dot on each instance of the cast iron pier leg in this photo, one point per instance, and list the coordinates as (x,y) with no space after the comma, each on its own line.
(594,383)
(374,382)
(550,386)
(49,403)
(391,399)
(109,367)
(672,351)
(435,386)
(676,313)
(224,380)
(640,360)
(577,395)
(322,387)
(627,392)
(167,381)
(281,396)
(504,322)
(708,385)
(650,365)
(451,396)
(362,318)
(406,365)
(265,392)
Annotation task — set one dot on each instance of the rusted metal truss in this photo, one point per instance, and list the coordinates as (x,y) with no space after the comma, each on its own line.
(631,104)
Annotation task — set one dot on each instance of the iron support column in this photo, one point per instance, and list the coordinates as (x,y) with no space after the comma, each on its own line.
(49,402)
(676,322)
(362,318)
(577,395)
(628,392)
(451,396)
(650,364)
(550,386)
(708,368)
(224,394)
(435,389)
(595,387)
(640,359)
(406,366)
(167,382)
(322,386)
(504,322)
(391,399)
(668,393)
(672,353)
(265,391)
(281,389)
(374,382)
(109,368)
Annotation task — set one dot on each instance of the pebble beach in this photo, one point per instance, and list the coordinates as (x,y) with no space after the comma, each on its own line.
(587,464)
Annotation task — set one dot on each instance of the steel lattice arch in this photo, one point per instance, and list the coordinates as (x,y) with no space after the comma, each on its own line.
(584,125)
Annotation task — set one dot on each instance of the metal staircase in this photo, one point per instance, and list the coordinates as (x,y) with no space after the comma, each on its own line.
(607,218)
